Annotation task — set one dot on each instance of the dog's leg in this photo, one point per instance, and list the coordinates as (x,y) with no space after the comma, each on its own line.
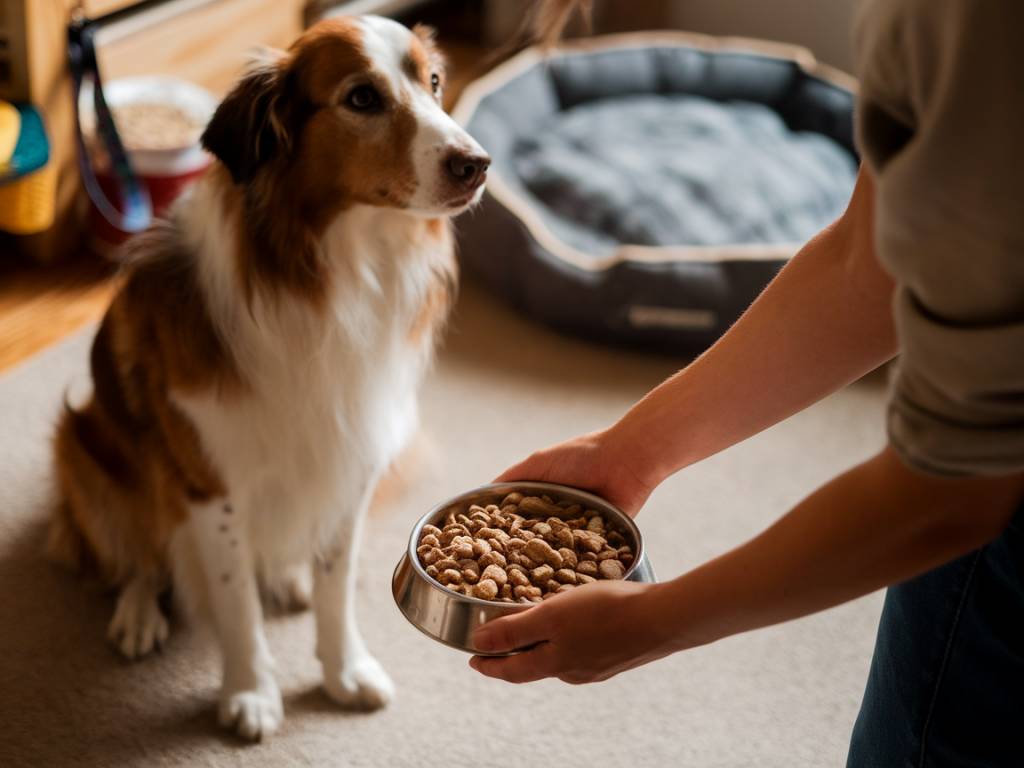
(250,700)
(290,588)
(352,677)
(138,625)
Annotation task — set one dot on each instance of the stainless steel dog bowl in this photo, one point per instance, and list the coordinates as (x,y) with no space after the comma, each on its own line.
(451,618)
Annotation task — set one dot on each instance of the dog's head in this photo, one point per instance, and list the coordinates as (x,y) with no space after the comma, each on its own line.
(351,113)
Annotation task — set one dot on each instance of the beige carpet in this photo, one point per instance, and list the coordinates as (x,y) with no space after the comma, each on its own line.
(783,697)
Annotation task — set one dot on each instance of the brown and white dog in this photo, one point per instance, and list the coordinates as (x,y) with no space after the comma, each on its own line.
(258,369)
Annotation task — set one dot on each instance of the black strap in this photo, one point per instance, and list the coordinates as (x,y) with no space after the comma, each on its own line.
(138,210)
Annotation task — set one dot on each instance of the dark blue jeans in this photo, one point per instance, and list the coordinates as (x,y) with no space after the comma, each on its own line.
(946,687)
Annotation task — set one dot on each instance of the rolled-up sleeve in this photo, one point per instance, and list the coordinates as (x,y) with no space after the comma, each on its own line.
(941,126)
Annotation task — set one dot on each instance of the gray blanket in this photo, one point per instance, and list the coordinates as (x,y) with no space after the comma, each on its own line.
(674,170)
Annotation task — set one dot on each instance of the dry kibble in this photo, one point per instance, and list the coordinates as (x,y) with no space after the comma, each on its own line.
(563,537)
(447,563)
(495,574)
(539,551)
(450,576)
(481,547)
(588,540)
(462,547)
(527,549)
(493,558)
(485,589)
(527,592)
(566,576)
(532,505)
(520,559)
(569,558)
(611,569)
(541,574)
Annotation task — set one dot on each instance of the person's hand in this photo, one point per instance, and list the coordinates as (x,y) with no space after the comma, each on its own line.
(599,462)
(584,635)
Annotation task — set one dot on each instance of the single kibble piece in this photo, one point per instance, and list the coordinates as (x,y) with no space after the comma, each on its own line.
(541,574)
(485,589)
(587,568)
(611,569)
(566,576)
(450,576)
(495,574)
(518,578)
(446,564)
(569,559)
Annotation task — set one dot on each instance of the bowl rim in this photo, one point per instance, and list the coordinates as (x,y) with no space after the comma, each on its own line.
(596,502)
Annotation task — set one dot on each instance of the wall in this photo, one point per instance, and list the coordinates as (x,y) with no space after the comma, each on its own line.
(824,26)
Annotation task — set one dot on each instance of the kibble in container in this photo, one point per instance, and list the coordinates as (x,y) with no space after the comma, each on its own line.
(506,547)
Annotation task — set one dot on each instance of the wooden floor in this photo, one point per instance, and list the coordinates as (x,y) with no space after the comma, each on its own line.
(39,306)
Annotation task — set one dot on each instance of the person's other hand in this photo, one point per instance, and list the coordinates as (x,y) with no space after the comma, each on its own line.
(584,635)
(598,462)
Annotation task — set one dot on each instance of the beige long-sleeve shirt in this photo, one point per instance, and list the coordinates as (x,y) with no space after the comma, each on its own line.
(940,122)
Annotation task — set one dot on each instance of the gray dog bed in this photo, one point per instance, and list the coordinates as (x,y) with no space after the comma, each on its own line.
(645,188)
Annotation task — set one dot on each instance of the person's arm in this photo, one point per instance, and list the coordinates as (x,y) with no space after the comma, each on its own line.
(823,322)
(877,524)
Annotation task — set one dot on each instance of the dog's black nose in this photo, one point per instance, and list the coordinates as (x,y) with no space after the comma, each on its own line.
(468,169)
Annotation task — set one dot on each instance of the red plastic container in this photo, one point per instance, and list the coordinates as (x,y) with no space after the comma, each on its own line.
(166,172)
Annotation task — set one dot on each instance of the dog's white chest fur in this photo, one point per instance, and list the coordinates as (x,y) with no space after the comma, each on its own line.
(333,393)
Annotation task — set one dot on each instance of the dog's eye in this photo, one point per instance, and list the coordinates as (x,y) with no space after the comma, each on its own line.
(435,82)
(363,98)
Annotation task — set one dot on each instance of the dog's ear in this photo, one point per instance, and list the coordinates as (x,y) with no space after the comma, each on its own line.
(249,126)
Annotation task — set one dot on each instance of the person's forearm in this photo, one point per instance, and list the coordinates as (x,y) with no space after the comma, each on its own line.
(878,524)
(823,322)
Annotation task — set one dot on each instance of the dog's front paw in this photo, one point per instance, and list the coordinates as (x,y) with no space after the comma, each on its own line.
(252,714)
(138,625)
(361,684)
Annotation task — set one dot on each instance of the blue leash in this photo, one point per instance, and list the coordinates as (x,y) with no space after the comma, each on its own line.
(138,209)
